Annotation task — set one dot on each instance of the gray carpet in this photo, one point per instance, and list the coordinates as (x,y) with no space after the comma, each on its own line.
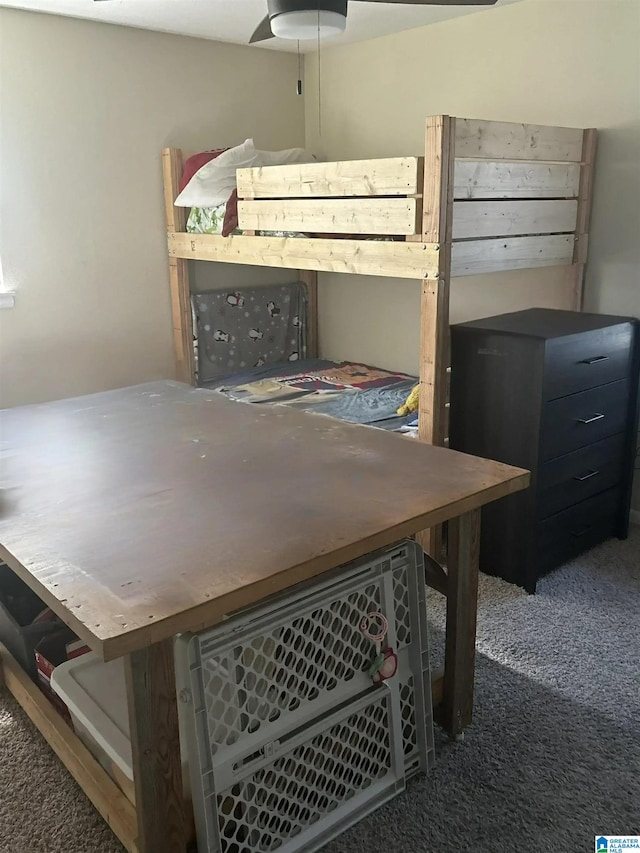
(552,759)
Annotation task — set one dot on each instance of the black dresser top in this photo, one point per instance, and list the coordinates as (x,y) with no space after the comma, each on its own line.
(544,323)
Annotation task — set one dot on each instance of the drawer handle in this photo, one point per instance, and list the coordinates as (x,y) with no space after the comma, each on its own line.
(595,359)
(578,533)
(597,417)
(586,476)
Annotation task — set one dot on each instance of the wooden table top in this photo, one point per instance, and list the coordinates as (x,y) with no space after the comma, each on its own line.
(139,513)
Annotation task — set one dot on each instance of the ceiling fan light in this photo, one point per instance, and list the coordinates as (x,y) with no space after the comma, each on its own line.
(305,24)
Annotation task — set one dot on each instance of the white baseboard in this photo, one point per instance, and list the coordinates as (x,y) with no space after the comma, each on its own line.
(634,516)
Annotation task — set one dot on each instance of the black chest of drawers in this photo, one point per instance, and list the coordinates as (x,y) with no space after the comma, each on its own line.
(555,392)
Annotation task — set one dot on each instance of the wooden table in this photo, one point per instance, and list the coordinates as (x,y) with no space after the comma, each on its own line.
(139,513)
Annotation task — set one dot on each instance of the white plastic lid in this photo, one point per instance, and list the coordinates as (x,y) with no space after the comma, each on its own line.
(95,692)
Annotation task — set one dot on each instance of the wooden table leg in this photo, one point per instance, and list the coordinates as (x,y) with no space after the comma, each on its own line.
(155,745)
(456,710)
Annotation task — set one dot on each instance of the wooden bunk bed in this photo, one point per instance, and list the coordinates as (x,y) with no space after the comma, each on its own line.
(485,197)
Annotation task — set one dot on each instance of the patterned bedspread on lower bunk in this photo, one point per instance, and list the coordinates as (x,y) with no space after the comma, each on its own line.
(351,392)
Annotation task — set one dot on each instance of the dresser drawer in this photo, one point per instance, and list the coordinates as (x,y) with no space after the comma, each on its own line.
(577,362)
(568,533)
(577,476)
(581,419)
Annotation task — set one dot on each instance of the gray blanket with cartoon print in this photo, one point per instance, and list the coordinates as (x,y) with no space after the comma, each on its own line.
(255,326)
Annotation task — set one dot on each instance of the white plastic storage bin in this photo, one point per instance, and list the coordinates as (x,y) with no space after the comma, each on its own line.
(277,672)
(95,693)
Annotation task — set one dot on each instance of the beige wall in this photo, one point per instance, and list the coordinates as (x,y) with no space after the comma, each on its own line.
(562,62)
(84,111)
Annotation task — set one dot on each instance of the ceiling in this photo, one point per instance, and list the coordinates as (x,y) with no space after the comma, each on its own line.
(235,20)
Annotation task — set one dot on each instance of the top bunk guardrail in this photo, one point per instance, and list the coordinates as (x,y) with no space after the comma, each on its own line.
(370,197)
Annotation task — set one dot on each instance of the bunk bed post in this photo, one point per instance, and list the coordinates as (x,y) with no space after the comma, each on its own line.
(436,228)
(585,193)
(178,269)
(434,310)
(310,278)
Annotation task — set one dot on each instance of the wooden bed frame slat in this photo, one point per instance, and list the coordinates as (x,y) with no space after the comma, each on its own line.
(393,258)
(512,218)
(497,140)
(388,176)
(380,216)
(475,257)
(487,179)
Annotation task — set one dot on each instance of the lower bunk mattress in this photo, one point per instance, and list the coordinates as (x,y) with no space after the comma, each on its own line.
(351,392)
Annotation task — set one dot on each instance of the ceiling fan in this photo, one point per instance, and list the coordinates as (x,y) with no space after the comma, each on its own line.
(306,19)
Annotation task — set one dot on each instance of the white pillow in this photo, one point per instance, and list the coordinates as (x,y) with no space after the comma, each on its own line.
(214,182)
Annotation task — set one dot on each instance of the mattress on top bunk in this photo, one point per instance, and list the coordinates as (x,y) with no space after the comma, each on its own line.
(349,391)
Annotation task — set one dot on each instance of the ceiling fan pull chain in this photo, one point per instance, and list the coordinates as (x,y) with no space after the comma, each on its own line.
(299,86)
(319,86)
